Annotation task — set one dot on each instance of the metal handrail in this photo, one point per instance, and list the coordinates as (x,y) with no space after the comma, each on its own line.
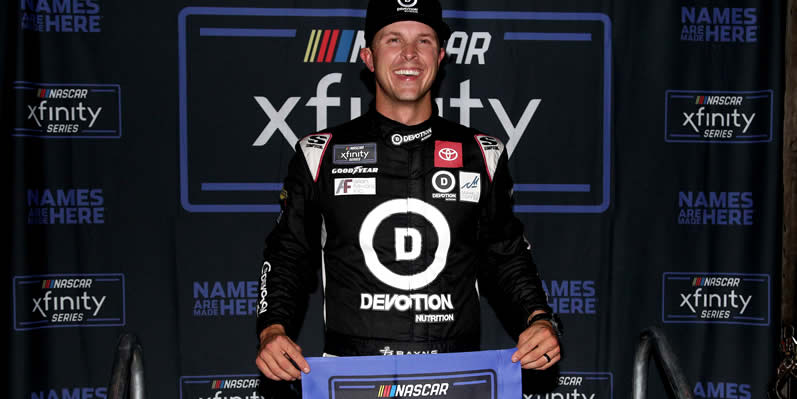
(127,377)
(653,341)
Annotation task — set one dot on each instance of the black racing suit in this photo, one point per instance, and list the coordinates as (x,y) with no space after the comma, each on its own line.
(407,224)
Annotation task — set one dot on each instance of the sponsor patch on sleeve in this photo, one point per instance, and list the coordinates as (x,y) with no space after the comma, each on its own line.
(313,148)
(492,148)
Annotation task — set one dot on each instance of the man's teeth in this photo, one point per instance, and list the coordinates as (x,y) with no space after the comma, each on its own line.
(408,72)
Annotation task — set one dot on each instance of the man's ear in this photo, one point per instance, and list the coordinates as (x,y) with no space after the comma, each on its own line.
(441,56)
(368,58)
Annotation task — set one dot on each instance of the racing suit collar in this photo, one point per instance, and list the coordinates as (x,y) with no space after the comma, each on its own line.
(398,134)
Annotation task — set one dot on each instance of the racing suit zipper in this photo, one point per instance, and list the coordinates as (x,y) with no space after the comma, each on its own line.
(409,216)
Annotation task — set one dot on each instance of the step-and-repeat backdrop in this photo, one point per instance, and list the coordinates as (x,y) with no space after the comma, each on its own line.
(148,140)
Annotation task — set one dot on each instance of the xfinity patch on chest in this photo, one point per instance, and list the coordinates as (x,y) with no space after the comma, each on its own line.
(347,154)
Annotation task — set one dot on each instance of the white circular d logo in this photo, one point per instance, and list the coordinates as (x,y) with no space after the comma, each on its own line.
(396,206)
(443,181)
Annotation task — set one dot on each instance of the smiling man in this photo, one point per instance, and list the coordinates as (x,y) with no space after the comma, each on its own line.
(406,214)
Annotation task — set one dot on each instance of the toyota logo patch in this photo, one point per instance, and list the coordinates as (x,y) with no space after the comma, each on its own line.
(447,154)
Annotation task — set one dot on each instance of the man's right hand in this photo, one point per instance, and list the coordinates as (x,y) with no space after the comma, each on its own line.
(275,355)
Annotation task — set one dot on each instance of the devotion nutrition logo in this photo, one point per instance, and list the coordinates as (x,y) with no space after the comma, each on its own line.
(238,386)
(68,300)
(67,111)
(718,116)
(722,298)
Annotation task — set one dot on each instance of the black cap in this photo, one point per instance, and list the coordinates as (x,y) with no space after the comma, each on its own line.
(385,12)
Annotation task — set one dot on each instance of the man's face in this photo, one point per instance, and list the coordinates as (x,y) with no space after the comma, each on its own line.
(404,57)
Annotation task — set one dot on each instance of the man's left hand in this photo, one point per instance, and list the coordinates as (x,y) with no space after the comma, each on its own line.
(538,346)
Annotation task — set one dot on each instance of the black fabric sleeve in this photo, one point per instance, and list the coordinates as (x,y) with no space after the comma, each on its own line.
(292,253)
(508,276)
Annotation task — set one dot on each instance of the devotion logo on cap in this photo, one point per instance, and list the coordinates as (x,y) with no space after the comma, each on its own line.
(407,5)
(381,13)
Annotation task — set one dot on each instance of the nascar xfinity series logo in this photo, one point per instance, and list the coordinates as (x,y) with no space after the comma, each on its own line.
(68,300)
(243,386)
(723,298)
(354,154)
(580,385)
(50,110)
(319,86)
(718,117)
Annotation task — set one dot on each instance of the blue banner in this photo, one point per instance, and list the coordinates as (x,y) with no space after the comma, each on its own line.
(468,375)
